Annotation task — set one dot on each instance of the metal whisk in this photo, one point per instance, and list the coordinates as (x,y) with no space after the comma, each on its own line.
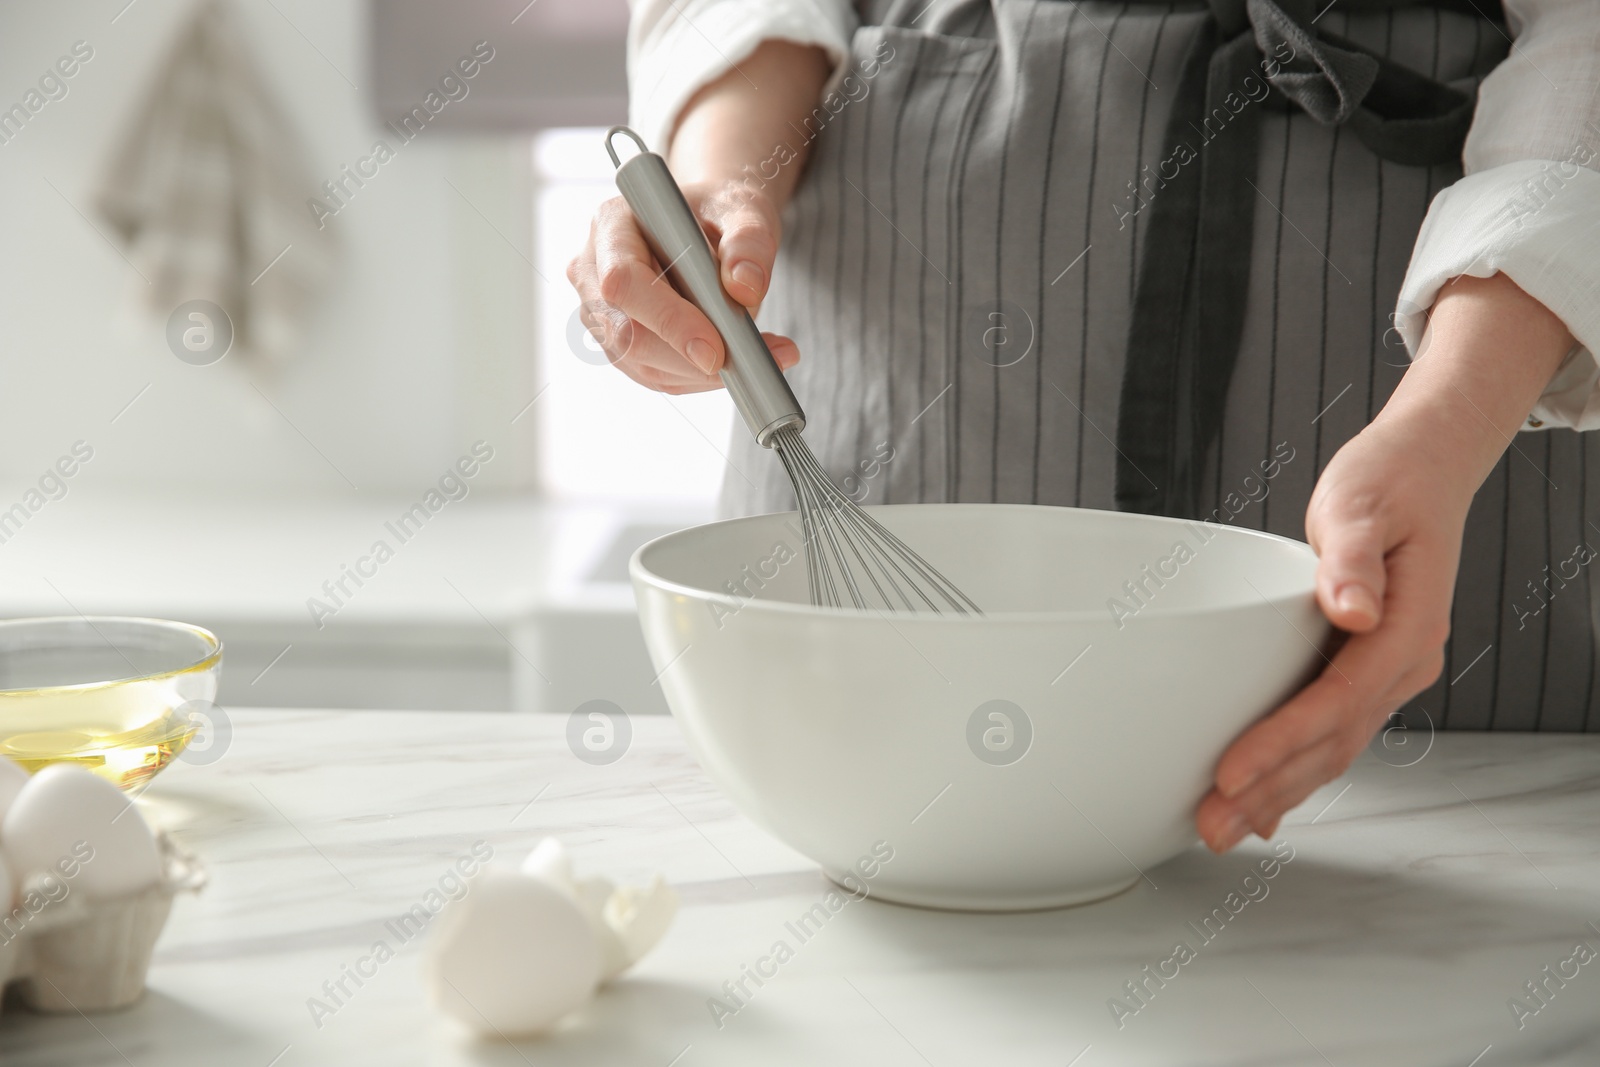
(849,549)
(851,559)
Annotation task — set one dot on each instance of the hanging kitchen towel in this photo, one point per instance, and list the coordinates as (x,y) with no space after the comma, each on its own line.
(208,192)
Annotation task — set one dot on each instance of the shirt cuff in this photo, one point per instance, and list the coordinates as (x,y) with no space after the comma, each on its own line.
(691,43)
(1537,222)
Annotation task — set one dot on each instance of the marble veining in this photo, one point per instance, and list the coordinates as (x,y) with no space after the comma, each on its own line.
(1417,904)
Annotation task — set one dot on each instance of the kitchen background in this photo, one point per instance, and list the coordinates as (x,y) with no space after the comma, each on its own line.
(238,494)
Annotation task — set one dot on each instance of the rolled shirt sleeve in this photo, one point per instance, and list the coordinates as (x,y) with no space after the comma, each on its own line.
(1529,206)
(675,47)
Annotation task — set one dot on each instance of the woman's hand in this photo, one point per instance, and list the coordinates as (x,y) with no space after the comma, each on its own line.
(724,153)
(1386,520)
(650,332)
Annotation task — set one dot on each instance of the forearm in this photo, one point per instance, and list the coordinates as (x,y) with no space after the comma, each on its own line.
(1489,351)
(743,124)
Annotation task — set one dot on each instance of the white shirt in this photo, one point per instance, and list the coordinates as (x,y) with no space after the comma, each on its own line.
(1528,207)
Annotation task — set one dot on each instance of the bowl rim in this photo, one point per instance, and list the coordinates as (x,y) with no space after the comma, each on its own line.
(205,663)
(640,574)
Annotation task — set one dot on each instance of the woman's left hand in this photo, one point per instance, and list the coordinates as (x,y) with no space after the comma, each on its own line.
(1386,520)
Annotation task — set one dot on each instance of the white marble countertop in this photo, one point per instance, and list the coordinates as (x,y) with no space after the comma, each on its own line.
(1418,902)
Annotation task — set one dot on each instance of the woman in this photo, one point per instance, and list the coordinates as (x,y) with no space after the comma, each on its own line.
(1145,256)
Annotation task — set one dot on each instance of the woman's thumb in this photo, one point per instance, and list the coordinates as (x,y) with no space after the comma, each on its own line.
(1350,572)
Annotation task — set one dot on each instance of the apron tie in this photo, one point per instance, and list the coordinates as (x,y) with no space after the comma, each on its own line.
(1327,82)
(1189,302)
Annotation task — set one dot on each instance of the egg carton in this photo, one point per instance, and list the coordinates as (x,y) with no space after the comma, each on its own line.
(81,955)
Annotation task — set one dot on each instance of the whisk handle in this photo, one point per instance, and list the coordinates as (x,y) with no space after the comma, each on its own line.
(750,373)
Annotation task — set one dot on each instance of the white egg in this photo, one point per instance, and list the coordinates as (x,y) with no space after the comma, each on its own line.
(74,825)
(8,894)
(12,779)
(513,956)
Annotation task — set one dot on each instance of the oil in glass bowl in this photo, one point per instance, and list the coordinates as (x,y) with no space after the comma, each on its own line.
(111,695)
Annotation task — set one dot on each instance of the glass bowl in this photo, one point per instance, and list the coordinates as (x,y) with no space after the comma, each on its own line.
(113,695)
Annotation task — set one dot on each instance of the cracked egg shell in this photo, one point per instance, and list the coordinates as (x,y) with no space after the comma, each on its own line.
(513,956)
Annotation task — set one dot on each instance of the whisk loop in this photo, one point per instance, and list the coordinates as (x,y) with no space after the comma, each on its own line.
(852,560)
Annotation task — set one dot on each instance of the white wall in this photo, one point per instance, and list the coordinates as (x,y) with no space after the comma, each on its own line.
(420,347)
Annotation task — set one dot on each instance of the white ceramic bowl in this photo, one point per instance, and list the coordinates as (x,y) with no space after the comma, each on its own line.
(1043,755)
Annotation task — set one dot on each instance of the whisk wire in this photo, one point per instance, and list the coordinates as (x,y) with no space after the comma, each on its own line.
(842,539)
(816,527)
(858,536)
(880,541)
(826,509)
(807,526)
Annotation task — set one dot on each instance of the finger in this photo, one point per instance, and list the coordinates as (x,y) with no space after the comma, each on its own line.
(1223,822)
(609,325)
(1368,677)
(637,351)
(642,355)
(1306,719)
(1220,823)
(611,329)
(1351,578)
(682,388)
(630,347)
(630,280)
(663,382)
(747,246)
(785,351)
(654,364)
(1287,787)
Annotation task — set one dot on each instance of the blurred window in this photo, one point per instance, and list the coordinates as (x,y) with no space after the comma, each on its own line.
(601,435)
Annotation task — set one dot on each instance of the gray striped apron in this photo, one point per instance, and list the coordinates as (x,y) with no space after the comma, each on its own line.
(1082,254)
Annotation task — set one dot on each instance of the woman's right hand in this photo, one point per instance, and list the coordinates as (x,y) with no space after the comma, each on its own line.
(649,331)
